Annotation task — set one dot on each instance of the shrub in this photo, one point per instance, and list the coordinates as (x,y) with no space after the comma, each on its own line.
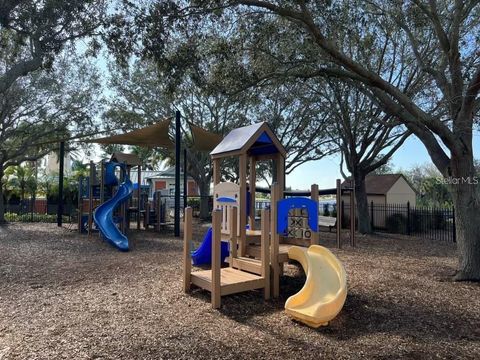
(396,223)
(193,202)
(429,219)
(27,217)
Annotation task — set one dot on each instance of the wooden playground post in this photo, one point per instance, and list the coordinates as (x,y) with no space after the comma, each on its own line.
(233,233)
(123,210)
(216,171)
(146,219)
(274,241)
(265,245)
(314,240)
(252,181)
(243,202)
(91,183)
(280,165)
(339,213)
(187,237)
(102,181)
(216,265)
(80,204)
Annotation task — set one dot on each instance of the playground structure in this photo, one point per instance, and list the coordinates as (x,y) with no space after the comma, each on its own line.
(100,187)
(110,202)
(156,212)
(107,196)
(103,215)
(257,256)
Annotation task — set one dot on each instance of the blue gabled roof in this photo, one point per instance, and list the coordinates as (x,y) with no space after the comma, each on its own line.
(238,138)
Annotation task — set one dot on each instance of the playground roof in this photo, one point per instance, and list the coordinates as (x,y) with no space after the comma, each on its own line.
(155,135)
(129,159)
(254,140)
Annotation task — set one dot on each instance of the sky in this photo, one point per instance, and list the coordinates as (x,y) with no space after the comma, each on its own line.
(324,172)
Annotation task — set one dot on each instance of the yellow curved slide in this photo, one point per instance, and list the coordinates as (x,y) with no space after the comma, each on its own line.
(325,290)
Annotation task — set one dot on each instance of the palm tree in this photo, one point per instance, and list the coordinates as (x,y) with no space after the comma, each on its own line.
(79,169)
(23,178)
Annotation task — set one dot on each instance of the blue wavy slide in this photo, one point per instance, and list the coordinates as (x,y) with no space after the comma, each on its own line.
(103,216)
(203,255)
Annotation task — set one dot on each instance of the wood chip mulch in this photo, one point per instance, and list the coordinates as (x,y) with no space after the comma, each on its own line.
(68,296)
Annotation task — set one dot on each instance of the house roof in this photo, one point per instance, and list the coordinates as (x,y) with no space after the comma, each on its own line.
(129,159)
(379,184)
(255,139)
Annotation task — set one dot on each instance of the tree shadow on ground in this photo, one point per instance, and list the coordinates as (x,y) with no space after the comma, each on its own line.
(362,314)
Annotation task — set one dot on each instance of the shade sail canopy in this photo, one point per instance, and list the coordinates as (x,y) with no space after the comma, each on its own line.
(204,140)
(151,136)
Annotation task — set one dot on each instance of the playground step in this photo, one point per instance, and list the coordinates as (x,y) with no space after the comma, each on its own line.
(255,251)
(231,280)
(253,236)
(247,264)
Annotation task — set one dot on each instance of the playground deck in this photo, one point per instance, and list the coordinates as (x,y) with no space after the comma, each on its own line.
(231,280)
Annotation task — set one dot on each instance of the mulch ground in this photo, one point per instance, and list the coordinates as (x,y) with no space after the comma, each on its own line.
(67,296)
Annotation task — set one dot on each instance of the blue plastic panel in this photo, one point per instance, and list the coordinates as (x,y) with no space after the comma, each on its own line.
(226,199)
(271,149)
(285,205)
(110,177)
(264,138)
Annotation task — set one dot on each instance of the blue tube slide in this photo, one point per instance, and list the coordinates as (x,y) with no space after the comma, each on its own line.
(103,216)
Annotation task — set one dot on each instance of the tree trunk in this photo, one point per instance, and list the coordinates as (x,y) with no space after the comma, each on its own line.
(467,217)
(2,204)
(204,188)
(364,225)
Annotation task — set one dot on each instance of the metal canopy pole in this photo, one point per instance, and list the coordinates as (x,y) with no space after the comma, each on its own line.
(177,174)
(60,184)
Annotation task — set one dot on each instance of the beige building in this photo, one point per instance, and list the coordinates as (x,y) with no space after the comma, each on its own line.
(388,189)
(165,180)
(50,163)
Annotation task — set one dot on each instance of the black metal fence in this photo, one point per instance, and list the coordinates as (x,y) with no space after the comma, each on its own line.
(426,222)
(431,223)
(38,210)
